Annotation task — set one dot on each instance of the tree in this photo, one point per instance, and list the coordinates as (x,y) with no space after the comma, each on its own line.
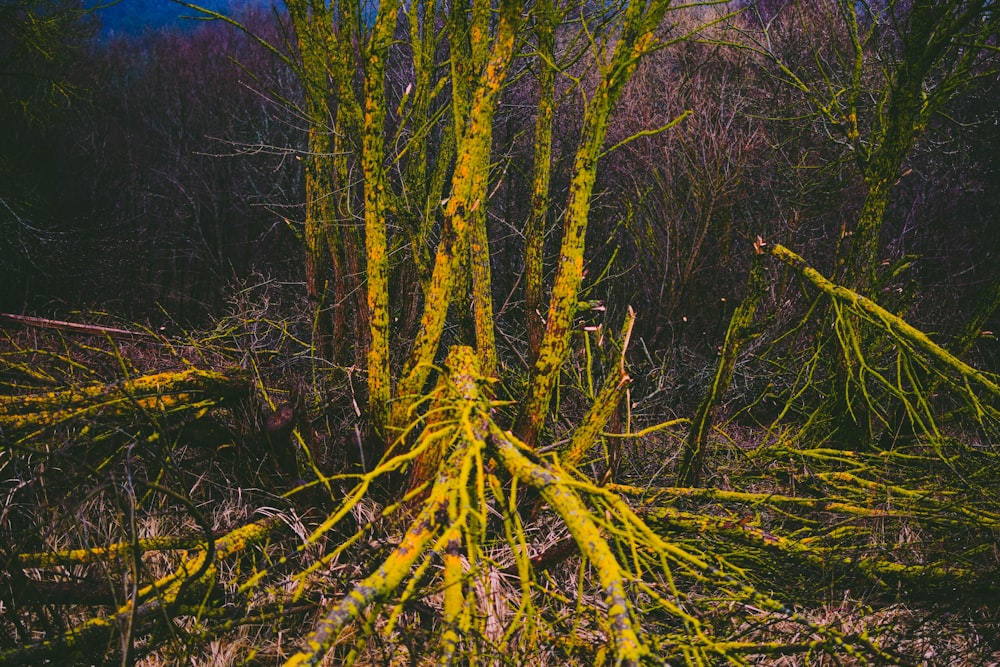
(459,428)
(875,86)
(455,544)
(635,40)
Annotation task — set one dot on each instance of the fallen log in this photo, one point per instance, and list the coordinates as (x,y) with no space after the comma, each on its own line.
(191,391)
(70,557)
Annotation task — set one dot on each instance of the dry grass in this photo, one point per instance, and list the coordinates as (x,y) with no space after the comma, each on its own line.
(70,493)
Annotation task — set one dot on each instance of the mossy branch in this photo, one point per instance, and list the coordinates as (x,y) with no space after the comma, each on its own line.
(155,602)
(557,490)
(189,391)
(894,325)
(377,586)
(436,526)
(692,461)
(615,385)
(68,557)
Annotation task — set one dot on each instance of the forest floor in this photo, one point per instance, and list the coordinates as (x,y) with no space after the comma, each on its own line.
(124,454)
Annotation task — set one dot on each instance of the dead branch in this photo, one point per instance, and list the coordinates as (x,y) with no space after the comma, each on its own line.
(59,325)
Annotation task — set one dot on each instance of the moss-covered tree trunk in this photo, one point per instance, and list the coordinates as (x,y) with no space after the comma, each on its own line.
(468,185)
(480,273)
(311,41)
(376,198)
(636,38)
(534,233)
(325,65)
(691,469)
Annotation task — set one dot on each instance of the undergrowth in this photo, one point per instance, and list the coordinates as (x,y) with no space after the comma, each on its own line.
(139,529)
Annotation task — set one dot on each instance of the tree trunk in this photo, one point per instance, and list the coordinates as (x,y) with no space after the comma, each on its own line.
(534,232)
(637,37)
(693,459)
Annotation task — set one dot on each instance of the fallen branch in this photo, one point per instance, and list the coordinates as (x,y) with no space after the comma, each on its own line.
(155,603)
(43,323)
(191,390)
(70,557)
(424,536)
(893,324)
(921,579)
(557,491)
